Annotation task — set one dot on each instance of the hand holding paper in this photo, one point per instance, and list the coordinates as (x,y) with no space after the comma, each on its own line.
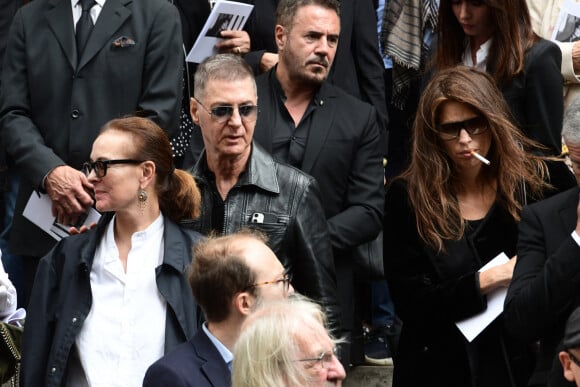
(473,326)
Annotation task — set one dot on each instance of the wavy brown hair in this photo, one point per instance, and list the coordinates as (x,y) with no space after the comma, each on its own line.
(179,196)
(512,37)
(431,179)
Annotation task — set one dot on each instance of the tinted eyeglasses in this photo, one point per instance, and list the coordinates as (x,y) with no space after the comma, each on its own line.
(221,114)
(324,359)
(473,126)
(285,280)
(100,166)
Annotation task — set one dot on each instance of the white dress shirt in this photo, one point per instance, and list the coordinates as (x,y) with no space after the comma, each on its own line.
(480,55)
(124,332)
(77,10)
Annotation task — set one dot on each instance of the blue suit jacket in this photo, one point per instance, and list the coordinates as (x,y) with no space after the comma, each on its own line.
(194,363)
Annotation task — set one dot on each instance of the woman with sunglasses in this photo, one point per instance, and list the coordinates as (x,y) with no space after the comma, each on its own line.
(448,215)
(497,36)
(111,301)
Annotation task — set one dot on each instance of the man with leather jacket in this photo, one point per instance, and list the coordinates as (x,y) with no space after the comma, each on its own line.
(243,187)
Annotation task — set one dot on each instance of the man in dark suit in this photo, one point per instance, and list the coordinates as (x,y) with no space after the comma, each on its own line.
(309,123)
(545,287)
(230,276)
(56,96)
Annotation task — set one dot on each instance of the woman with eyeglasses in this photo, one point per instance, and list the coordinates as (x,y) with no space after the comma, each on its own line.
(497,36)
(453,210)
(111,301)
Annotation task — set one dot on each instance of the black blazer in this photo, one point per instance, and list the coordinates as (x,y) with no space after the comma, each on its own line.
(545,287)
(342,154)
(53,103)
(196,363)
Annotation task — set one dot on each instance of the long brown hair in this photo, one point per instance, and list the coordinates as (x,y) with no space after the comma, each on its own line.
(512,37)
(430,177)
(179,196)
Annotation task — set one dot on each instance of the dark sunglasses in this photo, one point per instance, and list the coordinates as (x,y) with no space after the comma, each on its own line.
(220,114)
(473,126)
(100,166)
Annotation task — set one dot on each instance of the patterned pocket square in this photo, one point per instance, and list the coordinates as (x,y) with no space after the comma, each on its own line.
(123,41)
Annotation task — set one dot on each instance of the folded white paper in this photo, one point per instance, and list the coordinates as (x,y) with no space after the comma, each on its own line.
(39,211)
(474,325)
(225,15)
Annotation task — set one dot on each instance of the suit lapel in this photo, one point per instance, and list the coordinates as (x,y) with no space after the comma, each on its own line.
(60,21)
(322,120)
(568,212)
(112,16)
(214,368)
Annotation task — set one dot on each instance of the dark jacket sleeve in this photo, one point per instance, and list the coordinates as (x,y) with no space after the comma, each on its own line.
(419,293)
(361,219)
(313,251)
(40,321)
(162,71)
(544,285)
(369,64)
(536,96)
(160,375)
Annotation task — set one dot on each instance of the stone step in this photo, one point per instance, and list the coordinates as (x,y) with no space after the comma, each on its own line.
(369,376)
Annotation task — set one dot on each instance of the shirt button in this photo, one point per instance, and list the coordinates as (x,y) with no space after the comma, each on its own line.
(74,320)
(75,114)
(53,370)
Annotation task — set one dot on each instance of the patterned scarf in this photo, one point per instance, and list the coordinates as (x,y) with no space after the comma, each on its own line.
(403,28)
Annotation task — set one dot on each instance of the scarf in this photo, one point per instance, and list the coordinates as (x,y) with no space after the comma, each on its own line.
(403,28)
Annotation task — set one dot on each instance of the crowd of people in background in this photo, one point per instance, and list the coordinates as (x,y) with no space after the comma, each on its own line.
(341,183)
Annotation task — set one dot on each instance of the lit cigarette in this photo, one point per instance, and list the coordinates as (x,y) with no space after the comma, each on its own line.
(480,157)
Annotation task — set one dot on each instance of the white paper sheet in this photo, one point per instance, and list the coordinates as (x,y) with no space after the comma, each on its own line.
(474,325)
(39,211)
(567,27)
(225,15)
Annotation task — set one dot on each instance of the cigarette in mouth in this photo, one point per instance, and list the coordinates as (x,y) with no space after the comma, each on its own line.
(480,157)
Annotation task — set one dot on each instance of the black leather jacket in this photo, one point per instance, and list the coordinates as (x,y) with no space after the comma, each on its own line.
(284,203)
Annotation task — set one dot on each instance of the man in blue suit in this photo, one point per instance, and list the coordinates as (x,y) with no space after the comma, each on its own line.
(230,276)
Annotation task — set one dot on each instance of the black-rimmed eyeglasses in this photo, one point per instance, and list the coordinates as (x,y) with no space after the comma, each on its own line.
(222,113)
(100,166)
(473,126)
(285,280)
(324,359)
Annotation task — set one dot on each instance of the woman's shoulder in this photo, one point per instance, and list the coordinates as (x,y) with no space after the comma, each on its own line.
(543,49)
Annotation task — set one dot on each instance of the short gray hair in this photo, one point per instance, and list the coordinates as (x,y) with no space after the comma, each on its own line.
(223,67)
(571,125)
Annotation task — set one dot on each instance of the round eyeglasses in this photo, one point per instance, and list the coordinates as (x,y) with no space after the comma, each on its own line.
(100,166)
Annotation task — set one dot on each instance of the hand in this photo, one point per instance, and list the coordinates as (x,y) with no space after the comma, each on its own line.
(68,189)
(83,229)
(234,41)
(498,276)
(269,60)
